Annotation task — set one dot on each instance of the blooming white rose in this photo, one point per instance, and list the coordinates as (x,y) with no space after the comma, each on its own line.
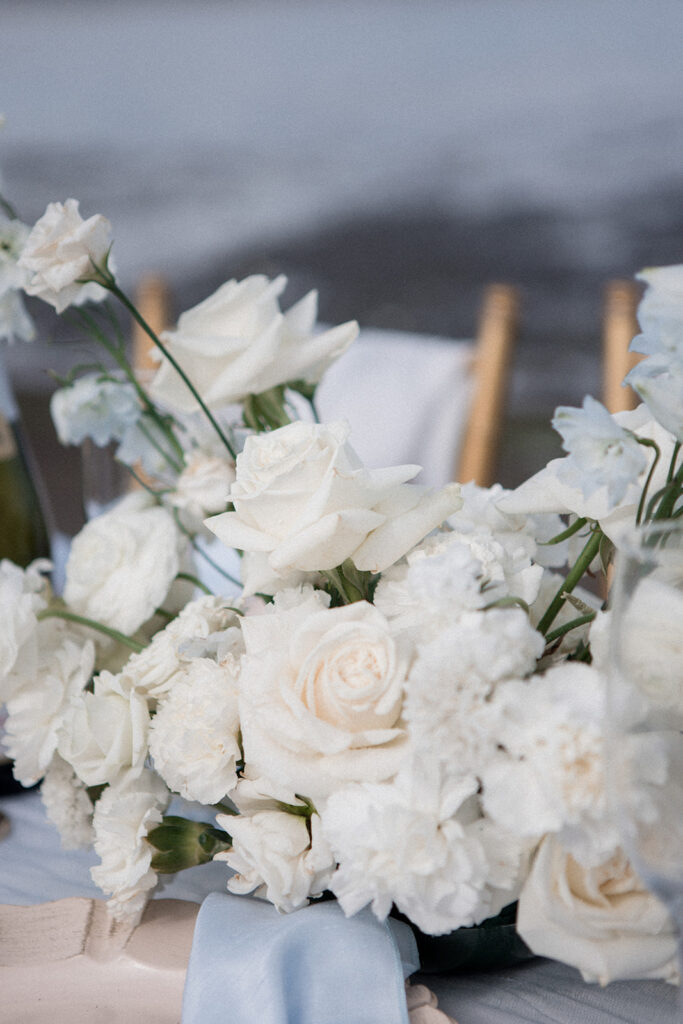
(23,593)
(124,815)
(202,488)
(105,732)
(237,342)
(275,857)
(194,737)
(600,920)
(122,564)
(321,694)
(67,805)
(61,251)
(91,407)
(302,497)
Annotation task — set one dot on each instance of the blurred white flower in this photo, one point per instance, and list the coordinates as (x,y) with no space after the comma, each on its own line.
(659,382)
(660,311)
(93,407)
(145,442)
(302,497)
(122,564)
(237,342)
(61,252)
(202,489)
(67,805)
(14,320)
(23,593)
(601,920)
(601,452)
(124,814)
(320,694)
(194,736)
(651,642)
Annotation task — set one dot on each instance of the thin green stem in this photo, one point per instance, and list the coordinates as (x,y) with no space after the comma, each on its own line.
(581,620)
(641,504)
(195,581)
(672,465)
(114,634)
(590,550)
(566,534)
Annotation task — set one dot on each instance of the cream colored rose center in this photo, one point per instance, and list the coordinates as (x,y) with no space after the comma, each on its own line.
(351,681)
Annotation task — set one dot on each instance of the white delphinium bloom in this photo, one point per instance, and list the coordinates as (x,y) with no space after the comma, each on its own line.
(549,775)
(418,845)
(194,736)
(14,320)
(23,593)
(659,382)
(601,920)
(67,805)
(36,712)
(452,678)
(61,252)
(122,564)
(320,693)
(600,451)
(105,732)
(153,671)
(660,311)
(237,342)
(202,489)
(302,498)
(278,856)
(94,407)
(124,814)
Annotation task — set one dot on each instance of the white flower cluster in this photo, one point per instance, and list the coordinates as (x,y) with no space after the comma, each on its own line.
(387,711)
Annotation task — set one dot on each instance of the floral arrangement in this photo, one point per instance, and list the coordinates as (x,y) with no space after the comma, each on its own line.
(402,700)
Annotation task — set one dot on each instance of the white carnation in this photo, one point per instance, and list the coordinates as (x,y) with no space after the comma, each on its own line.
(194,734)
(67,805)
(124,814)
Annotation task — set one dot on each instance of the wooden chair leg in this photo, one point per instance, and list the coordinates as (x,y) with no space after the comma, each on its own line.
(619,327)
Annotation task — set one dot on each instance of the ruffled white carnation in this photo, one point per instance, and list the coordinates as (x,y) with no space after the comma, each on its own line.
(93,407)
(454,675)
(153,671)
(23,593)
(601,920)
(404,843)
(36,713)
(67,805)
(550,772)
(122,564)
(321,694)
(194,734)
(105,732)
(124,815)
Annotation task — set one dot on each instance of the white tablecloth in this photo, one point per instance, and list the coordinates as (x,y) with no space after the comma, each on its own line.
(34,868)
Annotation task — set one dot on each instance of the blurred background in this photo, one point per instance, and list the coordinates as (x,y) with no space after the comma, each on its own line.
(397,155)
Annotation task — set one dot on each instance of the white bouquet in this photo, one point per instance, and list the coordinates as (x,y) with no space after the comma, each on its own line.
(401,703)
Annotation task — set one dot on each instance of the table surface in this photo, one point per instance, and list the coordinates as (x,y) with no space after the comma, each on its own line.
(34,869)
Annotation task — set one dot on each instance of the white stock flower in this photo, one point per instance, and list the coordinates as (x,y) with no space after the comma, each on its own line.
(194,736)
(601,920)
(38,709)
(67,805)
(105,732)
(237,342)
(409,843)
(124,814)
(302,497)
(122,564)
(320,694)
(600,452)
(202,488)
(93,407)
(61,251)
(22,596)
(549,775)
(275,857)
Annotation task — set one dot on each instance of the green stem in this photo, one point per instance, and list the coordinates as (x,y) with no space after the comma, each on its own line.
(641,503)
(671,495)
(110,284)
(672,464)
(58,613)
(194,580)
(581,620)
(566,534)
(590,550)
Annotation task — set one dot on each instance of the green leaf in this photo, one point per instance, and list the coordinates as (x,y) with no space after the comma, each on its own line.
(180,843)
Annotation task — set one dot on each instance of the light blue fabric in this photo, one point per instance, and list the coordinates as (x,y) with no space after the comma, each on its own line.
(249,963)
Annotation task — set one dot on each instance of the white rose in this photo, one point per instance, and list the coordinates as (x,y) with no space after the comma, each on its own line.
(302,497)
(105,732)
(320,695)
(275,857)
(237,342)
(61,251)
(122,564)
(600,920)
(202,489)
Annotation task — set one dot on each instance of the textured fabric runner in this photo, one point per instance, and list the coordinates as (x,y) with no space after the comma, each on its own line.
(313,967)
